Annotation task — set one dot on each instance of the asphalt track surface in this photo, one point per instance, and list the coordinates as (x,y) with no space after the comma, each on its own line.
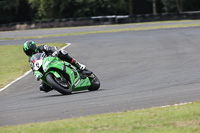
(137,69)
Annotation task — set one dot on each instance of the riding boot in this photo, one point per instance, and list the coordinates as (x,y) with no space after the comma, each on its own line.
(45,88)
(77,64)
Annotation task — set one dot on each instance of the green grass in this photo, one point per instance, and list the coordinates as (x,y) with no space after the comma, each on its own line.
(172,119)
(14,62)
(110,31)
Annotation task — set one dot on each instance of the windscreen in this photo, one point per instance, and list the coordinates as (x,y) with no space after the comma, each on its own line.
(38,56)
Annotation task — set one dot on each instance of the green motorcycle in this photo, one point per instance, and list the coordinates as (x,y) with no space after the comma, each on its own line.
(62,76)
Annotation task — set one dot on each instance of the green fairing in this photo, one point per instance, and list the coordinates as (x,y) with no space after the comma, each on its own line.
(56,64)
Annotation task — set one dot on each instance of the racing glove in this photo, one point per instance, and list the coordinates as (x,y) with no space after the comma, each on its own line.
(55,53)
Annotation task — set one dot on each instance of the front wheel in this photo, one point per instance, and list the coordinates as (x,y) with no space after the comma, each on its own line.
(95,83)
(63,89)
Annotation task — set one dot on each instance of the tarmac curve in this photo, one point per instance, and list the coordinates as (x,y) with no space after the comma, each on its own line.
(137,69)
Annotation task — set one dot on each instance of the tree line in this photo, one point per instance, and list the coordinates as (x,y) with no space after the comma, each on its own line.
(35,10)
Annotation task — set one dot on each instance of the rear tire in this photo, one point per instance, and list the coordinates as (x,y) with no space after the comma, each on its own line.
(56,86)
(95,84)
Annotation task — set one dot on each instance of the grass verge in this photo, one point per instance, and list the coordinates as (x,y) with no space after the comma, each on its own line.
(172,119)
(14,62)
(110,31)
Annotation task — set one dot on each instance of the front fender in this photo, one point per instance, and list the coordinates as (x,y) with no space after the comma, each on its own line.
(55,74)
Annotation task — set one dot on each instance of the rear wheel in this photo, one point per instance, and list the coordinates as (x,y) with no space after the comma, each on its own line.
(61,86)
(95,83)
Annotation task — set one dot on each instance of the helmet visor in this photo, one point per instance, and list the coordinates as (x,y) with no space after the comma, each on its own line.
(29,52)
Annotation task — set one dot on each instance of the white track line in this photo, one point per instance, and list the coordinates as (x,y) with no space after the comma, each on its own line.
(67,44)
(175,104)
(15,80)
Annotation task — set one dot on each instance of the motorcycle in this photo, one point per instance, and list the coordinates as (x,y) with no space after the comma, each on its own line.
(62,76)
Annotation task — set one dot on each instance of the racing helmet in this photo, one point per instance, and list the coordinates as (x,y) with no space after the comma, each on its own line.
(29,48)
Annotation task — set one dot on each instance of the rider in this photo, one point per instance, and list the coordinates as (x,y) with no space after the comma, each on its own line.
(30,49)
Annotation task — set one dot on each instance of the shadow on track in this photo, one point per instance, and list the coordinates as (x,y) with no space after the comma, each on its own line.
(73,93)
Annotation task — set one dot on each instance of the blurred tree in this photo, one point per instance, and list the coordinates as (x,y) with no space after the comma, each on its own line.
(154,6)
(28,10)
(25,13)
(130,3)
(173,5)
(179,4)
(9,4)
(43,8)
(51,9)
(146,6)
(191,5)
(14,11)
(169,6)
(8,9)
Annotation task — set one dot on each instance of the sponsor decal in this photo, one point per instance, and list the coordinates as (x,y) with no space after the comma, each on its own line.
(76,83)
(82,83)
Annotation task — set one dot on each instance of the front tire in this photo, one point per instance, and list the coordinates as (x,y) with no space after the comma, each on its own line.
(63,90)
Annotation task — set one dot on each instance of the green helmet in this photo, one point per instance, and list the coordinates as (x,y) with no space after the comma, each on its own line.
(29,48)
